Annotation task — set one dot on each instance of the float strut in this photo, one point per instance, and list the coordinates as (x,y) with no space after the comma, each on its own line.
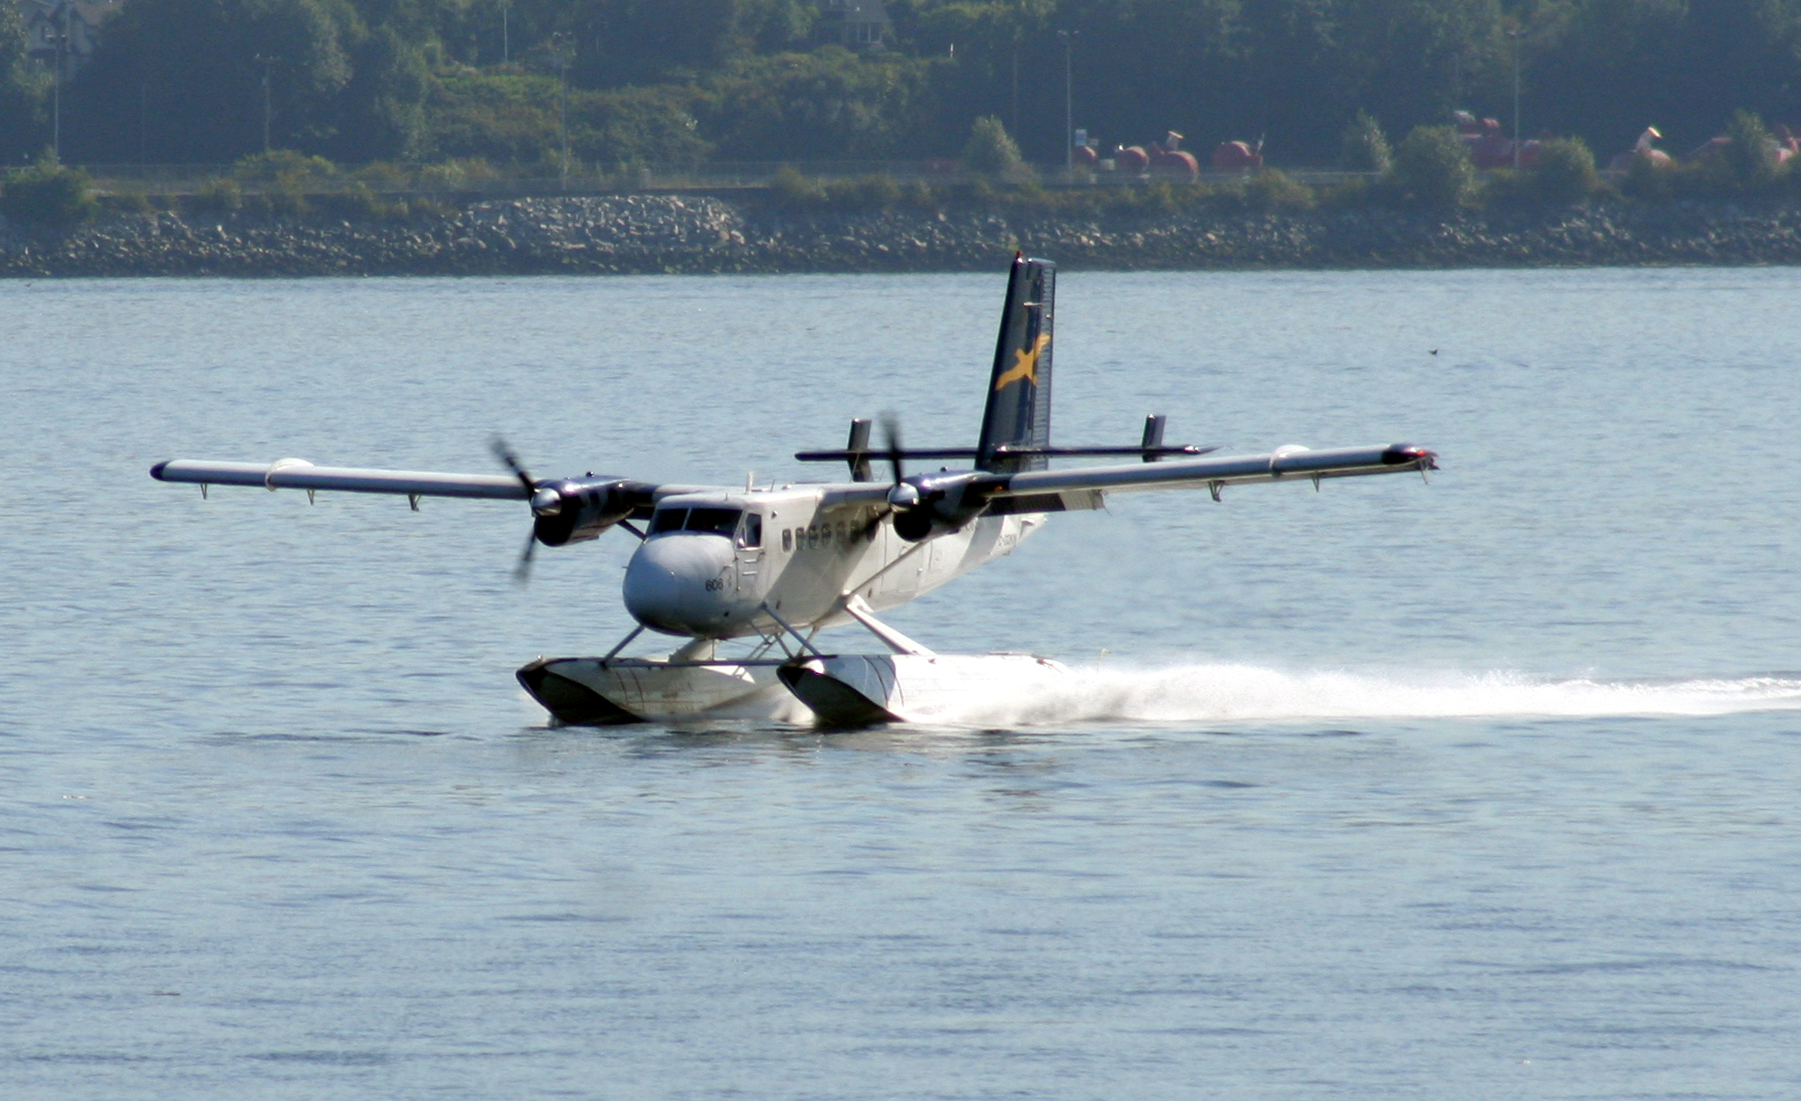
(804,641)
(623,643)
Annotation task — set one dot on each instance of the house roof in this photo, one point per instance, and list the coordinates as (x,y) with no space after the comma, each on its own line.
(90,12)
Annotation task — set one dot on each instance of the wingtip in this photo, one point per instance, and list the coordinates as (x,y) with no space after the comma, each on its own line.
(1422,457)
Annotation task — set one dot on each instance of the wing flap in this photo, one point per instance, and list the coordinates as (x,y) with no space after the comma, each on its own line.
(300,474)
(1284,463)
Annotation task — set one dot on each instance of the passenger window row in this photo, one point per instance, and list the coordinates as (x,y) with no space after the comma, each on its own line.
(814,536)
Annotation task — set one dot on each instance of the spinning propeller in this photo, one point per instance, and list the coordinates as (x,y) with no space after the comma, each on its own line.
(901,495)
(572,510)
(545,501)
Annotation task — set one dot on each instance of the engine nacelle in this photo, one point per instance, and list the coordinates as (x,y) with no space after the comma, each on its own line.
(928,506)
(577,510)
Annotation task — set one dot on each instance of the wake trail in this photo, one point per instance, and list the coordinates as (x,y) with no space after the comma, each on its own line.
(1226,692)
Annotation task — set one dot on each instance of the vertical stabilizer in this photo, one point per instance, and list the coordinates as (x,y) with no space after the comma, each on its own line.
(1019,389)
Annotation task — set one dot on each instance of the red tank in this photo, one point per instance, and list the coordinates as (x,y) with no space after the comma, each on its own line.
(1237,154)
(1131,158)
(1173,160)
(1489,147)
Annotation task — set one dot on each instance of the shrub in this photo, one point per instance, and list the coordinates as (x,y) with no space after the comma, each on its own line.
(448,177)
(1347,194)
(1274,189)
(355,204)
(1751,154)
(130,198)
(1433,168)
(286,199)
(920,195)
(1565,172)
(221,195)
(284,166)
(866,192)
(1363,147)
(47,194)
(385,175)
(792,189)
(990,151)
(1647,179)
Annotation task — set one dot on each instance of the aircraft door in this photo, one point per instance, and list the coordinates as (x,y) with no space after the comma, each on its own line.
(747,545)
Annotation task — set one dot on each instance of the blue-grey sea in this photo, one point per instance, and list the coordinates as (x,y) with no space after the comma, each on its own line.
(1482,788)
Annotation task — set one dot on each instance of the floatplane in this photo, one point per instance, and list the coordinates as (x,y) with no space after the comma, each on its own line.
(767,568)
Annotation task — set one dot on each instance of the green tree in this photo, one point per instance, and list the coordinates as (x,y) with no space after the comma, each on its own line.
(828,104)
(1565,172)
(991,152)
(1750,155)
(1432,168)
(22,89)
(1364,147)
(47,194)
(381,111)
(182,79)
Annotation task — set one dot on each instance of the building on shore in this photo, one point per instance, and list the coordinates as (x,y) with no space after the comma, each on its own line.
(855,24)
(64,31)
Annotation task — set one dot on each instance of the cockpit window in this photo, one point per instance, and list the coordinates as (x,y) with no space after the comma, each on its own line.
(750,533)
(667,519)
(712,521)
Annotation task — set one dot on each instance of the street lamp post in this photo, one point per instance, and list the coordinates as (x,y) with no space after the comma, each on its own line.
(562,51)
(268,64)
(1515,35)
(1069,121)
(506,41)
(60,41)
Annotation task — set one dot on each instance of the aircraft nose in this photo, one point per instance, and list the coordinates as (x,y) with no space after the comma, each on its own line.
(681,584)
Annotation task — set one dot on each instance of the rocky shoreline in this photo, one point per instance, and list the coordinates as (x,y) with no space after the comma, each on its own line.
(636,234)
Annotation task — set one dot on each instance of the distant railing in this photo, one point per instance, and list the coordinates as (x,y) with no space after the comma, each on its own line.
(454,179)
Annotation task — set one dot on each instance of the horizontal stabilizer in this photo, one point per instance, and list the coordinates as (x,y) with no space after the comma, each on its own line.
(1148,453)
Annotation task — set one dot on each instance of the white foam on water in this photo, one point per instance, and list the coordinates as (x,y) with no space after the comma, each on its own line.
(1225,692)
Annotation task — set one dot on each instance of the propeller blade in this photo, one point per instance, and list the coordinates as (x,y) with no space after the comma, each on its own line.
(522,572)
(512,463)
(891,435)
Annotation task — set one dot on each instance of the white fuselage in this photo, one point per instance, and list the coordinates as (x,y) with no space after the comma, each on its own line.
(717,564)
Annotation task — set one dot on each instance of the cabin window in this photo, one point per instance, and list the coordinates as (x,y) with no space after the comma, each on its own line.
(843,535)
(668,519)
(750,533)
(812,535)
(787,539)
(712,521)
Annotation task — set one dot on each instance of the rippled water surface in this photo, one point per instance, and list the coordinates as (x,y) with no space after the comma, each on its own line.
(1481,789)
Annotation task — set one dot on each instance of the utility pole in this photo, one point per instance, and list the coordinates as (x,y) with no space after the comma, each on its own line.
(59,40)
(506,41)
(1013,122)
(562,52)
(268,64)
(1515,35)
(1069,120)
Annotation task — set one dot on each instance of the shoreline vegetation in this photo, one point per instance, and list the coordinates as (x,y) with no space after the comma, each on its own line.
(286,214)
(922,135)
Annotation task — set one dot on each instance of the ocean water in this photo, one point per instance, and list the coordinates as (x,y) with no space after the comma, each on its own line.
(1481,788)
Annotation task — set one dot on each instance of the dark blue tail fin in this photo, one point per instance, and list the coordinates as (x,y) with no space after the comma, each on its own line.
(1019,389)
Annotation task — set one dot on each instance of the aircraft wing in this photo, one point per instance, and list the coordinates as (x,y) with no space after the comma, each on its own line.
(1283,464)
(300,474)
